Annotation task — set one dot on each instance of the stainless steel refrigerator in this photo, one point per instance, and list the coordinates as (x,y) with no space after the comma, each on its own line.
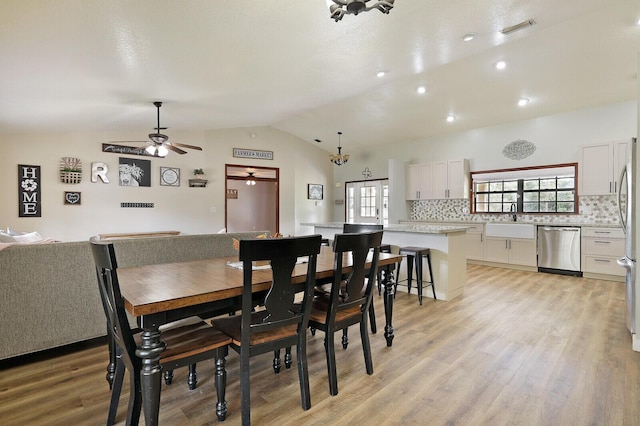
(627,210)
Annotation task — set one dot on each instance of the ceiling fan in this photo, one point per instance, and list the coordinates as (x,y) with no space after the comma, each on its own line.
(159,143)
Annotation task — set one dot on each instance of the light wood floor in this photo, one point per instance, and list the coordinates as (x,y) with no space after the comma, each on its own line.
(518,348)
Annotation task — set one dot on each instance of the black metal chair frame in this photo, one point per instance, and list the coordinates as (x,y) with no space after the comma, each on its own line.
(415,255)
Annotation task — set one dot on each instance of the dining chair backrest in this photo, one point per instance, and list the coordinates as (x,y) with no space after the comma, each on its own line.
(355,288)
(356,228)
(279,302)
(104,257)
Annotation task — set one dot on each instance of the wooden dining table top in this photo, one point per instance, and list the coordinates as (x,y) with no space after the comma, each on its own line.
(151,289)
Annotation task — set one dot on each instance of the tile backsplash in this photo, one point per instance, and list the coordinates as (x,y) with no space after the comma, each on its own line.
(595,209)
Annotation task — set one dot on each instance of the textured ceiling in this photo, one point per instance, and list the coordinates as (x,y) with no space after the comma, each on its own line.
(98,65)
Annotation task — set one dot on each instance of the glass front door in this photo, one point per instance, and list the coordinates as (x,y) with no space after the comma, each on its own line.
(368,201)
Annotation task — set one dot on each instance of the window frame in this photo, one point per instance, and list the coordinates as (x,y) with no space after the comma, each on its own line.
(511,175)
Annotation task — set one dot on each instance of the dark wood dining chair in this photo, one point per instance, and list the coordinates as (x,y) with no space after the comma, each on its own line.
(356,228)
(350,297)
(279,321)
(185,345)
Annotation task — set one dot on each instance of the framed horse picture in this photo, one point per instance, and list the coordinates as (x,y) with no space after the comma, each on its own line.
(134,172)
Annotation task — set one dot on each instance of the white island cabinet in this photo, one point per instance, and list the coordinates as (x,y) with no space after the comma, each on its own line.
(448,251)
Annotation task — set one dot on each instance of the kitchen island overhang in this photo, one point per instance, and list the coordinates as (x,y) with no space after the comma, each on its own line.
(447,244)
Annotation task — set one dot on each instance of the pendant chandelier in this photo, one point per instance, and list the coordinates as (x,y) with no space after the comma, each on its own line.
(339,8)
(339,159)
(250,179)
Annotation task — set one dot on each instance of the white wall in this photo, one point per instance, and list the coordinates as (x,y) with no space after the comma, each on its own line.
(176,208)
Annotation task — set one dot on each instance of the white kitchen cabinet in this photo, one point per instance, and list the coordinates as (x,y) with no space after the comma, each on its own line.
(450,179)
(418,182)
(601,247)
(513,251)
(600,167)
(475,242)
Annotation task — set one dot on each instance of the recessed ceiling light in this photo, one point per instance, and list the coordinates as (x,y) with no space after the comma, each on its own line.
(469,37)
(451,118)
(381,73)
(638,21)
(523,101)
(422,90)
(500,65)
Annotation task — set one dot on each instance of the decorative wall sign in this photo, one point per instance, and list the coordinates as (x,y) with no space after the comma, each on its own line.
(134,172)
(70,170)
(127,150)
(72,198)
(169,176)
(29,203)
(232,194)
(314,191)
(366,173)
(519,149)
(252,153)
(99,170)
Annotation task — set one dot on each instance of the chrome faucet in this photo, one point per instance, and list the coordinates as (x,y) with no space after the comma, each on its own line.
(513,209)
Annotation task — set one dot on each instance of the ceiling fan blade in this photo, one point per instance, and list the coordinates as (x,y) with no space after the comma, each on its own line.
(174,149)
(186,146)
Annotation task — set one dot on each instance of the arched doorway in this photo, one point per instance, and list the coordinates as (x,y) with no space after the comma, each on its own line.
(252,201)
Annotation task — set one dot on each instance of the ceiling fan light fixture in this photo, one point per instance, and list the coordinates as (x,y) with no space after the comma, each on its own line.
(162,151)
(151,149)
(250,179)
(339,8)
(158,137)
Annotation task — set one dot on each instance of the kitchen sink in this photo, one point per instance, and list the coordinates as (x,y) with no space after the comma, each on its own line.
(510,230)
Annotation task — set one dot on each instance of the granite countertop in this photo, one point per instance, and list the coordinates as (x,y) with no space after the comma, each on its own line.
(418,228)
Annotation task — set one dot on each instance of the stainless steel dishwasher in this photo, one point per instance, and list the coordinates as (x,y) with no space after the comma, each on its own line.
(559,250)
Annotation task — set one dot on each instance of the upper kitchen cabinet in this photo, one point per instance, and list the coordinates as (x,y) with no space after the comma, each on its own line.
(450,179)
(418,184)
(600,167)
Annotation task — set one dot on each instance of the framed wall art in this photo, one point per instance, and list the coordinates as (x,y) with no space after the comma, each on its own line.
(314,191)
(72,198)
(134,172)
(169,176)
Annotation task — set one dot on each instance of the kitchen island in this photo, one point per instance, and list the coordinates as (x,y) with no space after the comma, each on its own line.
(448,252)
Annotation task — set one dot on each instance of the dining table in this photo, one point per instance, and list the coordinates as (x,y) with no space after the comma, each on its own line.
(162,293)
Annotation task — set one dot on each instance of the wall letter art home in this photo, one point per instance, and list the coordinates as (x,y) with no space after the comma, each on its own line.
(29,204)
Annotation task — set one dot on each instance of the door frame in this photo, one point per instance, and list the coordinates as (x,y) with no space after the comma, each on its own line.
(364,181)
(255,169)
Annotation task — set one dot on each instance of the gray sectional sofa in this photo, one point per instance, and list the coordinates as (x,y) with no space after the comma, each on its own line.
(49,294)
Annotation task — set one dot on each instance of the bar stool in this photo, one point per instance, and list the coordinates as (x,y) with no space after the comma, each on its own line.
(416,253)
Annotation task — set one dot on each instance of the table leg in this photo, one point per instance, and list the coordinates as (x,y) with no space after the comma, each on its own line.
(389,284)
(151,374)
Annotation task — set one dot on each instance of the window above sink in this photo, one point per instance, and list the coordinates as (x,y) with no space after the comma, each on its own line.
(545,189)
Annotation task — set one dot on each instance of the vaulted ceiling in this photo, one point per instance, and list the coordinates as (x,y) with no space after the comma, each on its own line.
(71,65)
